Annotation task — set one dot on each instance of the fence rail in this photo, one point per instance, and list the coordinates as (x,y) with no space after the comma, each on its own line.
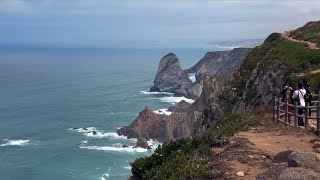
(281,113)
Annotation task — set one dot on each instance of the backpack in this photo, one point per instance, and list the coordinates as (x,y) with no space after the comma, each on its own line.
(308,96)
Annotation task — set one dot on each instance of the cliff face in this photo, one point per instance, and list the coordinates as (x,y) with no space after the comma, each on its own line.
(217,61)
(170,77)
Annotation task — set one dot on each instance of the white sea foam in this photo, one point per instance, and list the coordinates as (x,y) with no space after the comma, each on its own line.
(163,111)
(101,134)
(15,142)
(153,144)
(174,100)
(105,176)
(96,133)
(83,130)
(192,77)
(84,142)
(127,167)
(116,149)
(148,93)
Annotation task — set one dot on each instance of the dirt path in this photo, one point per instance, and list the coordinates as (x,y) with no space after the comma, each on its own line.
(274,143)
(311,45)
(310,72)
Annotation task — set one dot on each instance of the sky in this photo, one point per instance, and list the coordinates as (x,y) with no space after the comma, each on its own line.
(148,23)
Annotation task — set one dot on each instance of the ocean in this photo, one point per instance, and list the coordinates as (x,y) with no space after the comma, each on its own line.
(52,99)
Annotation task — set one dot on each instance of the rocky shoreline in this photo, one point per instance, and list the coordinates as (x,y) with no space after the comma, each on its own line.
(185,120)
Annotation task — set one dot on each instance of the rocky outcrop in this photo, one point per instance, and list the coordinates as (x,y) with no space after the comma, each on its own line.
(184,122)
(170,77)
(150,125)
(142,143)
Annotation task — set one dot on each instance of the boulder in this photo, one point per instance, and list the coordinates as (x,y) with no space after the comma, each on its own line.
(316,144)
(142,143)
(282,156)
(298,174)
(307,160)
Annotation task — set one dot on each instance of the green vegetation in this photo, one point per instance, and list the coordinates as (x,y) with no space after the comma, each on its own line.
(310,32)
(191,158)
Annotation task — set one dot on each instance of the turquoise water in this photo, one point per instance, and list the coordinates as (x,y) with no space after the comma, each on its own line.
(46,92)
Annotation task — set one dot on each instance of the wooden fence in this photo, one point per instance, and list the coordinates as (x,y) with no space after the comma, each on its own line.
(281,113)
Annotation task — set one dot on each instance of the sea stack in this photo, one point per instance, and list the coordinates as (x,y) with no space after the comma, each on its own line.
(170,77)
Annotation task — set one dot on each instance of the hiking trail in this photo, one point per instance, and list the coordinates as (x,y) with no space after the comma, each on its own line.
(286,35)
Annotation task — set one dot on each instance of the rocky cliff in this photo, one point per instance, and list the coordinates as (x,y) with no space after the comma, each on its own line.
(217,61)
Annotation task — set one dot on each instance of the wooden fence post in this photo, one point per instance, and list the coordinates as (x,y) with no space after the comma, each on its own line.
(274,108)
(278,110)
(286,113)
(318,114)
(306,115)
(295,114)
(318,117)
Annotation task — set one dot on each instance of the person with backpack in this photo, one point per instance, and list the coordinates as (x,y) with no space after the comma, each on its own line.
(298,97)
(308,97)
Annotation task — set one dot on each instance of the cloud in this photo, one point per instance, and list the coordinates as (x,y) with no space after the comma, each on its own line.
(166,22)
(15,7)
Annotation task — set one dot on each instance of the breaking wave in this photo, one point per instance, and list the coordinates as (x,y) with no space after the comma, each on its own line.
(148,93)
(15,142)
(96,133)
(116,149)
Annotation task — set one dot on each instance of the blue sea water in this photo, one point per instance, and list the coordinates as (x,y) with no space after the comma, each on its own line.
(45,92)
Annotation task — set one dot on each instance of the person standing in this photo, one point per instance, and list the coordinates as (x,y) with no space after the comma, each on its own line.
(308,97)
(298,96)
(287,97)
